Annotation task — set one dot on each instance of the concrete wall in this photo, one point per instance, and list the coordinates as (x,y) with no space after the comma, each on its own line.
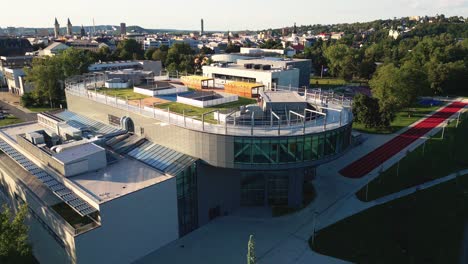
(207,103)
(132,226)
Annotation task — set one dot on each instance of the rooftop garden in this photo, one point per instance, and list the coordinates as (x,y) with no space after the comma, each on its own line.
(197,112)
(122,93)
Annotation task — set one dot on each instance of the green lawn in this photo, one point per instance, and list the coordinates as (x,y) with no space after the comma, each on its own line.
(440,158)
(10,120)
(426,227)
(402,119)
(308,195)
(126,93)
(72,217)
(196,112)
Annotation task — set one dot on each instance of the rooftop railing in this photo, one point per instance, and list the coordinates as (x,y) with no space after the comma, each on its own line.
(332,111)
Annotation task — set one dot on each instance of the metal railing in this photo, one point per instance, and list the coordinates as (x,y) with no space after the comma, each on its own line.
(334,111)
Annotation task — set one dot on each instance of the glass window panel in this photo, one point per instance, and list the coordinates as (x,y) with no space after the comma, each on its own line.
(308,148)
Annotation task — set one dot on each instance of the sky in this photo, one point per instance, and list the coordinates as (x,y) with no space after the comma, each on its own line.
(219,15)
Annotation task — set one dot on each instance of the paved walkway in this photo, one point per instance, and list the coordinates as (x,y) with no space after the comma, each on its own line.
(284,239)
(10,103)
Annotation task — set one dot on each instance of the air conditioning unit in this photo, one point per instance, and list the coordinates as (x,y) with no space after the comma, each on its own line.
(257,66)
(266,67)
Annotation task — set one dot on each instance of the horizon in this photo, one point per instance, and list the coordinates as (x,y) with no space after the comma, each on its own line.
(234,19)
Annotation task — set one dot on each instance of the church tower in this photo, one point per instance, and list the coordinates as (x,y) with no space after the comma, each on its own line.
(56,28)
(82,31)
(69,28)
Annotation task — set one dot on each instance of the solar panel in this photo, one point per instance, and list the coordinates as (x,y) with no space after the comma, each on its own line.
(80,122)
(161,158)
(79,205)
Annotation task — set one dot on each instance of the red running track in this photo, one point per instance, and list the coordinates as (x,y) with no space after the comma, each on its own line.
(373,159)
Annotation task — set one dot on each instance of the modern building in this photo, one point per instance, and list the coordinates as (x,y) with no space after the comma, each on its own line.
(303,65)
(12,73)
(271,72)
(112,175)
(146,65)
(258,155)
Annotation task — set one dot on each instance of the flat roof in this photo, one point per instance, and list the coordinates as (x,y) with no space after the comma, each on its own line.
(281,96)
(77,152)
(117,179)
(195,78)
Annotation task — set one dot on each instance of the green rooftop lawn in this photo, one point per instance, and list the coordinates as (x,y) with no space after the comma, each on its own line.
(402,119)
(125,93)
(438,158)
(72,217)
(197,112)
(10,120)
(425,227)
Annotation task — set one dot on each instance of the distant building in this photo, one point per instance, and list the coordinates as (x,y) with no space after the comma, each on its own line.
(69,28)
(146,65)
(202,31)
(14,46)
(123,29)
(12,75)
(53,49)
(56,28)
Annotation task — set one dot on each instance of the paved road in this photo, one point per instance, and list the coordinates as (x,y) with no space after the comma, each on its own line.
(17,112)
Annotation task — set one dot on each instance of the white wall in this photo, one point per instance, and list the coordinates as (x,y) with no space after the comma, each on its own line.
(207,103)
(132,226)
(149,92)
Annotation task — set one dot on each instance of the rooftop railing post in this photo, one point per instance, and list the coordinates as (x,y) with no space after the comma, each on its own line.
(217,112)
(183,114)
(305,117)
(128,105)
(168,115)
(341,117)
(271,118)
(252,124)
(279,126)
(203,122)
(154,111)
(325,122)
(139,105)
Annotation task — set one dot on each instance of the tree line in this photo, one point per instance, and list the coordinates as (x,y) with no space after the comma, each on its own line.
(432,59)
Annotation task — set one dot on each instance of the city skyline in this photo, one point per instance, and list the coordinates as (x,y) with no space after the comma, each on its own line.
(230,17)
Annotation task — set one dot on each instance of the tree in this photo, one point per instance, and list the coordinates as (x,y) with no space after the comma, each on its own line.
(366,110)
(251,251)
(159,55)
(14,246)
(180,57)
(231,48)
(48,74)
(129,49)
(341,61)
(149,53)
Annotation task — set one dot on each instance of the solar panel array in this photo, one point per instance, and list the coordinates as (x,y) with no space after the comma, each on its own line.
(65,194)
(161,158)
(79,121)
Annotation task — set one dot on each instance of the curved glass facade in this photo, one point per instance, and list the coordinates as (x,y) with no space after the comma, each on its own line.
(281,150)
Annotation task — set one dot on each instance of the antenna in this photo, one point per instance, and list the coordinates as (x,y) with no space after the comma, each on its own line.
(94,26)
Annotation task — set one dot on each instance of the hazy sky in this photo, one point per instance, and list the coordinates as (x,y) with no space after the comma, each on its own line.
(218,14)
